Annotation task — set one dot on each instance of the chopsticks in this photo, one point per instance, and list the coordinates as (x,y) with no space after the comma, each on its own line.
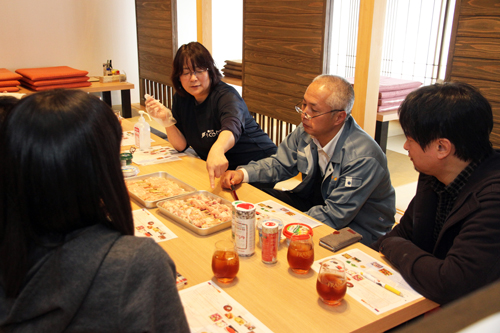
(233,191)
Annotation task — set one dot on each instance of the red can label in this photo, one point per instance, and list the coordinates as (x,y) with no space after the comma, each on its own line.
(269,242)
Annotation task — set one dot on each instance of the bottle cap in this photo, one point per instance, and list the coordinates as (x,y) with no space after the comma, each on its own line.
(297,229)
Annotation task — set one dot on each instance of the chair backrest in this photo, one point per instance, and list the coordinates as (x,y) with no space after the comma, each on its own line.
(276,129)
(162,92)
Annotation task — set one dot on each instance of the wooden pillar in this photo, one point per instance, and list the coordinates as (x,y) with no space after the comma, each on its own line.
(368,63)
(204,23)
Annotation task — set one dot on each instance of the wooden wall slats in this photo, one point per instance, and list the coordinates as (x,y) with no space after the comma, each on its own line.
(285,61)
(495,134)
(273,112)
(265,95)
(278,73)
(156,44)
(278,87)
(489,89)
(470,47)
(284,43)
(146,20)
(293,48)
(479,26)
(480,7)
(308,21)
(153,76)
(157,51)
(156,62)
(157,32)
(474,55)
(281,33)
(153,16)
(287,7)
(475,68)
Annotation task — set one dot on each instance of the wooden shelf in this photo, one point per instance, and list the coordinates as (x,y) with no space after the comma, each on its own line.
(232,80)
(387,116)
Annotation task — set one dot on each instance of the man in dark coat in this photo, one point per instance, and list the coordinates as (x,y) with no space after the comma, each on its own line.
(448,241)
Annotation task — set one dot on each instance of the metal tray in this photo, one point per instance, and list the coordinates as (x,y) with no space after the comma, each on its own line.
(162,174)
(199,231)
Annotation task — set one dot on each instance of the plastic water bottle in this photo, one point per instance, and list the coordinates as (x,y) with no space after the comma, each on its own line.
(142,132)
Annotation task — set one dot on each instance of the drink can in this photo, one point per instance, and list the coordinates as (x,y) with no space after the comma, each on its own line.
(233,212)
(244,229)
(270,239)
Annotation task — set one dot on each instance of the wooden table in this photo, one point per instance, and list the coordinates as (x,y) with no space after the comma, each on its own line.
(282,300)
(105,89)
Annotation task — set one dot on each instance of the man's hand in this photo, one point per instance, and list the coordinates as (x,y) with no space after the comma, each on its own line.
(231,177)
(159,112)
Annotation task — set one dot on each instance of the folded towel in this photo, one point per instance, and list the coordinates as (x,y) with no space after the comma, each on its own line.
(50,73)
(68,85)
(10,83)
(231,72)
(385,108)
(55,81)
(9,89)
(237,62)
(391,101)
(395,93)
(392,84)
(5,75)
(234,68)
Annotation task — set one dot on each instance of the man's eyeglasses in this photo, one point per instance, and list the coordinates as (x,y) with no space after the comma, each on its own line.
(197,73)
(307,116)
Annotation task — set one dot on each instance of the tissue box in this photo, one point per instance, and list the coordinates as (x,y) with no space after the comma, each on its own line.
(113,78)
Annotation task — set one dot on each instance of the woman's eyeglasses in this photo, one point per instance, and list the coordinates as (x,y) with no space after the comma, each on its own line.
(197,73)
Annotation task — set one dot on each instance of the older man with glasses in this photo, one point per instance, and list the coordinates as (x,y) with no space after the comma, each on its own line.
(345,177)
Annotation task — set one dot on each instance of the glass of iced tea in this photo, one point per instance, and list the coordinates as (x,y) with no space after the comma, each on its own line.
(300,253)
(331,284)
(225,261)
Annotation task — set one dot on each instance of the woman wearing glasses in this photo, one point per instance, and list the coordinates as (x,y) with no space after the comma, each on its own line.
(209,115)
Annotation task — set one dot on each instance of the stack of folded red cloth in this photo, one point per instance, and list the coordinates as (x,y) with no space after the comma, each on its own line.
(46,78)
(9,81)
(392,92)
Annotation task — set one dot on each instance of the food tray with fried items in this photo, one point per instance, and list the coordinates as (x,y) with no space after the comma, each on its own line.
(150,188)
(201,212)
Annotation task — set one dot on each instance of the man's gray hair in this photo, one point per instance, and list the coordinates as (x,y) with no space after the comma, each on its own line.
(342,93)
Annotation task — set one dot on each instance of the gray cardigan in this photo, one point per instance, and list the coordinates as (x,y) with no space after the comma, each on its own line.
(98,281)
(356,187)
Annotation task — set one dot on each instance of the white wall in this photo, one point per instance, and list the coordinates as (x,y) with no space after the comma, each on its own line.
(186,22)
(227,31)
(227,28)
(85,33)
(78,33)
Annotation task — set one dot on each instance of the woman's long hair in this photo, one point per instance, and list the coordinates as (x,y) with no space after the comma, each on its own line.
(59,152)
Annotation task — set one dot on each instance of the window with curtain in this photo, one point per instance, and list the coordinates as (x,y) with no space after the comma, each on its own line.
(413,38)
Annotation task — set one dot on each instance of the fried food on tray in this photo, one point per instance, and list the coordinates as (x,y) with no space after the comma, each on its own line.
(154,188)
